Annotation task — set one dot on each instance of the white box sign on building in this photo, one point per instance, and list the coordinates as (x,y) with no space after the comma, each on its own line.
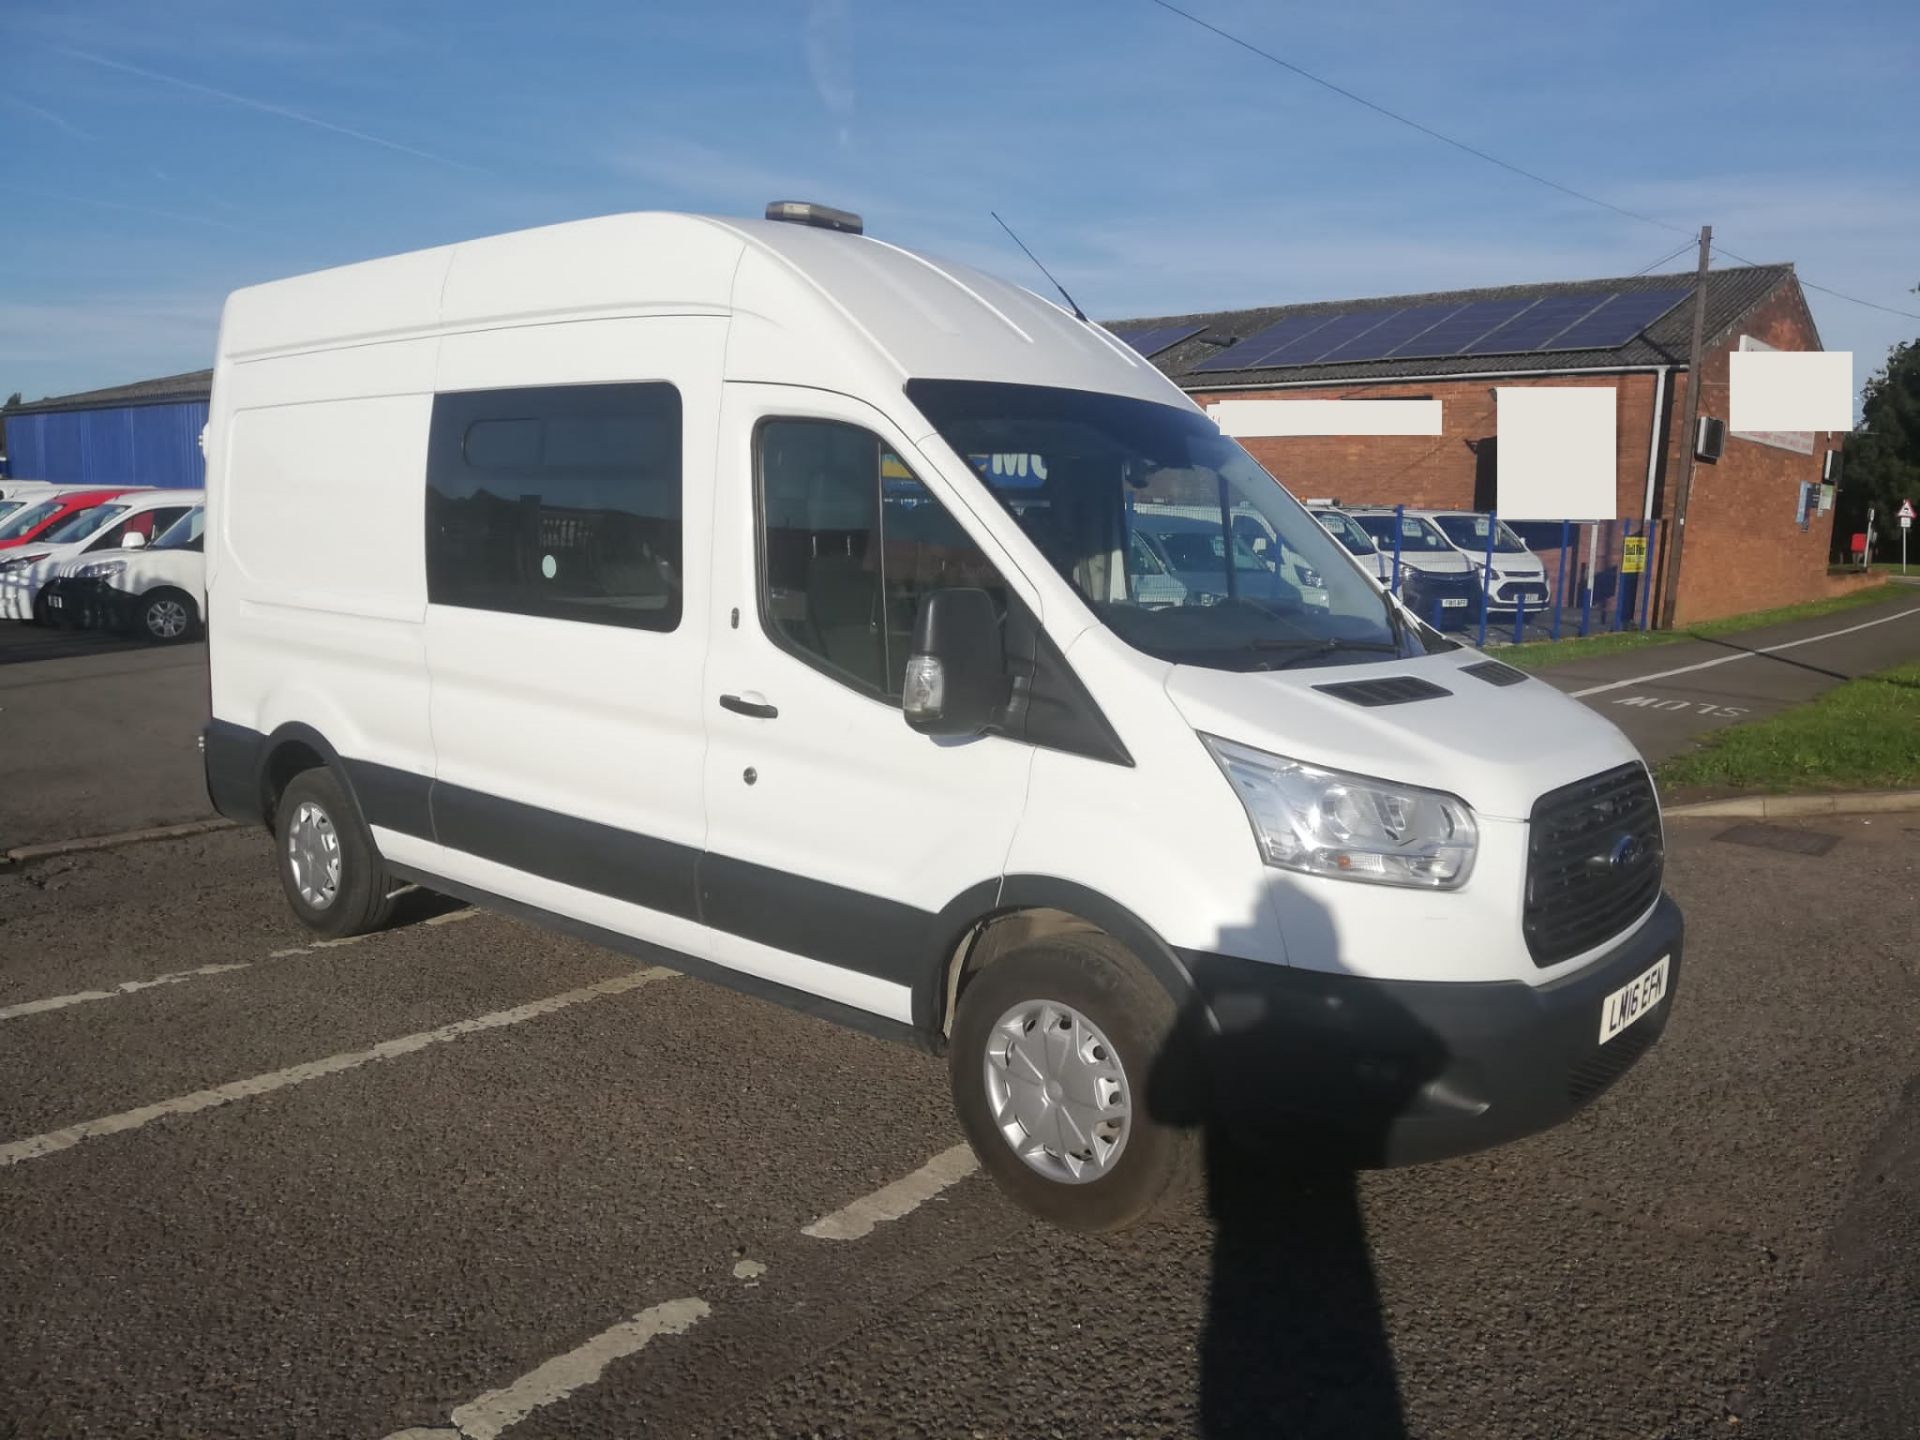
(1790,390)
(1252,419)
(1556,452)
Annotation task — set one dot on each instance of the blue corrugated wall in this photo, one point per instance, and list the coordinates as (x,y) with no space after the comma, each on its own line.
(129,445)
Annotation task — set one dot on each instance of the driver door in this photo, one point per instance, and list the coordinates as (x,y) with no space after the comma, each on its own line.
(835,833)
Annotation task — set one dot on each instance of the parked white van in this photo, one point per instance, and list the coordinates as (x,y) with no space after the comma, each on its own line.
(1518,577)
(157,591)
(574,572)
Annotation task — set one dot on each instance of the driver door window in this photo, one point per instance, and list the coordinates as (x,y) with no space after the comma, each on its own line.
(850,541)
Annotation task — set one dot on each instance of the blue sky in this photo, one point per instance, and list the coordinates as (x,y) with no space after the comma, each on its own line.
(155,154)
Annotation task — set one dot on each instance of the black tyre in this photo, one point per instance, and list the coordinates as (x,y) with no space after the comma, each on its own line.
(333,875)
(166,616)
(1053,1050)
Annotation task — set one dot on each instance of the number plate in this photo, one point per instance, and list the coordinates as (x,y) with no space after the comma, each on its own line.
(1633,1001)
(54,602)
(1456,602)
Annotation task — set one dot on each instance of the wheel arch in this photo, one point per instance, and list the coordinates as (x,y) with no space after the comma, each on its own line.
(997,916)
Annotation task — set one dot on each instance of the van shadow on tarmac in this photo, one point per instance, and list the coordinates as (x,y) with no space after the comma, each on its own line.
(1295,1341)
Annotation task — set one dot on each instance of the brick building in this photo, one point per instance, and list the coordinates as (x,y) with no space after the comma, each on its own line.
(1755,539)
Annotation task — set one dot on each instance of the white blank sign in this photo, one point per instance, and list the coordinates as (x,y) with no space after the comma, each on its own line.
(1556,452)
(1790,390)
(1250,419)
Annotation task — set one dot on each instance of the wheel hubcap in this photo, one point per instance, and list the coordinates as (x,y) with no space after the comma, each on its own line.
(313,855)
(167,618)
(1058,1091)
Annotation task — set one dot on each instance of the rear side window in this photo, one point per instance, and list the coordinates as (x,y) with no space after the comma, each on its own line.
(851,542)
(561,501)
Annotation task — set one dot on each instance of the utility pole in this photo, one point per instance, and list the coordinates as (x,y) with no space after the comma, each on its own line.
(1677,545)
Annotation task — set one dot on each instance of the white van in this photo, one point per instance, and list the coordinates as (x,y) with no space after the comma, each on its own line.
(1518,577)
(157,591)
(635,576)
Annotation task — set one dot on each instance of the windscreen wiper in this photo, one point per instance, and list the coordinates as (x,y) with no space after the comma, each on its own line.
(1315,649)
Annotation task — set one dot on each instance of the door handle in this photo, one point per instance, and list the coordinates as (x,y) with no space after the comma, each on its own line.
(741,705)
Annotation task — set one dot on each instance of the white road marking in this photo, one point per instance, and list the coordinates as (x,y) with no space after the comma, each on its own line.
(35,1146)
(1741,655)
(902,1197)
(490,1414)
(125,987)
(749,1271)
(130,987)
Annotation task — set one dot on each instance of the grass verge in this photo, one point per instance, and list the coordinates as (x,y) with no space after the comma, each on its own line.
(1538,653)
(1863,735)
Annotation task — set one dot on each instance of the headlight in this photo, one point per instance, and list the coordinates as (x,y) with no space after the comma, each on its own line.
(103,569)
(15,562)
(1324,822)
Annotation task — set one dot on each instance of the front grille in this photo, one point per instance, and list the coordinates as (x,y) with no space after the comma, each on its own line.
(1593,862)
(1610,1062)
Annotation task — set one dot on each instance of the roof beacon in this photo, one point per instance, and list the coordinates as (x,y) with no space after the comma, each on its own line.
(805,212)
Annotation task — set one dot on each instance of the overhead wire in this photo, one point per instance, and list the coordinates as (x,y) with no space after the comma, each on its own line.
(1492,159)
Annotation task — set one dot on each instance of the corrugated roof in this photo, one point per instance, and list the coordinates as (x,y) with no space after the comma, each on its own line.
(194,385)
(1731,293)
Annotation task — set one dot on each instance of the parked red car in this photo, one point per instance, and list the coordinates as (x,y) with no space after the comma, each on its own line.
(25,526)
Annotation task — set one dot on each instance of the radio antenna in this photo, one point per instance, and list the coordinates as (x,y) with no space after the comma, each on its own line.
(1078,313)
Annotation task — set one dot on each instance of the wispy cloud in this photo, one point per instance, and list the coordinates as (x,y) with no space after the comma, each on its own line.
(105,339)
(127,207)
(830,60)
(268,108)
(59,122)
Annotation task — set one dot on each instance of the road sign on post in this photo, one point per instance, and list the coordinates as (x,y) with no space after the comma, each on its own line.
(1906,524)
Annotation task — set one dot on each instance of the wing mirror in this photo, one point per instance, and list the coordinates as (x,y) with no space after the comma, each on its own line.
(133,541)
(957,672)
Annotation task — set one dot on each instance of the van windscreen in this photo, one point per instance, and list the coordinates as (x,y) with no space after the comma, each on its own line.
(1175,536)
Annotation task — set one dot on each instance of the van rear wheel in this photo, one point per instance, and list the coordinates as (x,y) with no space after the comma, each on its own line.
(1052,1052)
(333,875)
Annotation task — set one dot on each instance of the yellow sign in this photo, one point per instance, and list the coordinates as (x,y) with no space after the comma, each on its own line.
(1633,559)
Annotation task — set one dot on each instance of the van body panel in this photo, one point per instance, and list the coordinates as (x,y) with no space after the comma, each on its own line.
(1166,835)
(597,721)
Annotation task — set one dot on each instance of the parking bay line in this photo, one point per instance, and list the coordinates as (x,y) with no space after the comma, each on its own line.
(1741,655)
(902,1197)
(487,1416)
(36,1146)
(134,987)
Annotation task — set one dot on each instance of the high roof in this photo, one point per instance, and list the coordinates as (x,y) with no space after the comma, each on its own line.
(194,385)
(1731,293)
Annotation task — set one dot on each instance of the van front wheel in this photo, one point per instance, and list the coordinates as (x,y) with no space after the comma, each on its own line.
(328,866)
(1052,1053)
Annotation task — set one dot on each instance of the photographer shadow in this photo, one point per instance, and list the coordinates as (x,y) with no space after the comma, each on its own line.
(1296,1081)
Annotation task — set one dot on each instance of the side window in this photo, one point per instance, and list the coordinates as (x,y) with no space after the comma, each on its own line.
(562,501)
(850,542)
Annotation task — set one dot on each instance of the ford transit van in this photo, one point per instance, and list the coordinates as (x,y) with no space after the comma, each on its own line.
(648,578)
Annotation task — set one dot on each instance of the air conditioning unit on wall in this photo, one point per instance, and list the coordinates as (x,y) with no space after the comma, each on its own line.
(1710,439)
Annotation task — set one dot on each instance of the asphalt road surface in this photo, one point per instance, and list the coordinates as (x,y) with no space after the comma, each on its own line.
(98,736)
(1668,696)
(464,1178)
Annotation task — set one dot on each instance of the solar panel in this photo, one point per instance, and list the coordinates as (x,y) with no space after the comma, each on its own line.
(1150,340)
(1462,328)
(1252,352)
(1378,341)
(1536,325)
(1337,331)
(1618,321)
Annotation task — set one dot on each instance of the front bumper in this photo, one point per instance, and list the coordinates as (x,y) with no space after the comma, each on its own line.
(88,603)
(1391,1072)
